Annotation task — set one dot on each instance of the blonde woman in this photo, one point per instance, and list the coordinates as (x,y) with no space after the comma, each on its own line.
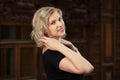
(61,59)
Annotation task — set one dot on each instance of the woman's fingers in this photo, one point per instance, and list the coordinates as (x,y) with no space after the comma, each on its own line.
(50,43)
(44,38)
(43,41)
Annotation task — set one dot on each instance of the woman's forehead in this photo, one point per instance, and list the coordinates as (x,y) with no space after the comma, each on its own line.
(54,15)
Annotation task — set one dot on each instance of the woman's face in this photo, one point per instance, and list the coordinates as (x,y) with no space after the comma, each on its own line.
(56,27)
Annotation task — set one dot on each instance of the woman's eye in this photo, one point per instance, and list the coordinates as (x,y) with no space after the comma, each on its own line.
(53,22)
(60,19)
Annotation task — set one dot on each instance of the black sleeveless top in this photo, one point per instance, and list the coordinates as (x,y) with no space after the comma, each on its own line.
(51,61)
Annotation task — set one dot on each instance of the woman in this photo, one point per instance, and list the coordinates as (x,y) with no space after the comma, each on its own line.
(61,59)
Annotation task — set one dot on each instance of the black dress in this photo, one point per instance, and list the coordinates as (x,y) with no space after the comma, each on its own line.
(51,61)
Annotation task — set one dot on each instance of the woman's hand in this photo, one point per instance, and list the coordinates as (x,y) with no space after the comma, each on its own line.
(50,43)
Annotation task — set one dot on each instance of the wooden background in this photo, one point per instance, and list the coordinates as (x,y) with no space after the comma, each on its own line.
(92,25)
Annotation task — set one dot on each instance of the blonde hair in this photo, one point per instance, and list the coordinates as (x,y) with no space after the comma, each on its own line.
(40,22)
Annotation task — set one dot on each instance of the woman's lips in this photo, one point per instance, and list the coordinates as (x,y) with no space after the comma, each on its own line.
(61,30)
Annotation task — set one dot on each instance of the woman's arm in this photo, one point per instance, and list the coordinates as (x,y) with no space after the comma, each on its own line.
(73,62)
(80,64)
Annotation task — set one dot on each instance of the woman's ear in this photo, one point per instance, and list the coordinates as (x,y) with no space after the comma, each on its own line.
(45,33)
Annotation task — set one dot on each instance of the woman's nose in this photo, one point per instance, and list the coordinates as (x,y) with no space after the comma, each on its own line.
(60,23)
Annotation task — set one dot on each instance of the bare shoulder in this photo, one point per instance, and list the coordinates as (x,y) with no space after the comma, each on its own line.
(66,42)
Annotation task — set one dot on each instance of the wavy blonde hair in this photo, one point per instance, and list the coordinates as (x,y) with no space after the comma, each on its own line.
(40,22)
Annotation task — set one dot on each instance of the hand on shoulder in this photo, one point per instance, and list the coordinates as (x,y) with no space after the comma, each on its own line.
(50,43)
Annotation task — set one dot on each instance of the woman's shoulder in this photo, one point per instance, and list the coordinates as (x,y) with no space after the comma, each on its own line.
(46,50)
(66,42)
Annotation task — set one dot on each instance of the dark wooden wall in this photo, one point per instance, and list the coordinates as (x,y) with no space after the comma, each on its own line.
(92,25)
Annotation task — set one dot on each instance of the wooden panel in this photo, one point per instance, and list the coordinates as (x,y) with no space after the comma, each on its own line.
(108,73)
(18,60)
(108,39)
(15,32)
(108,24)
(117,41)
(27,55)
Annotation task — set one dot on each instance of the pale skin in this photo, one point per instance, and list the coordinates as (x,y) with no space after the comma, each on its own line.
(73,61)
